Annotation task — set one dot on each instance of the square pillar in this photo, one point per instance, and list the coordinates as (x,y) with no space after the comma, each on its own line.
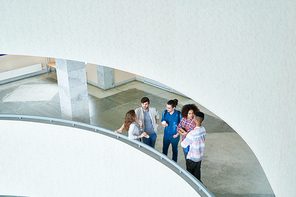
(105,77)
(73,90)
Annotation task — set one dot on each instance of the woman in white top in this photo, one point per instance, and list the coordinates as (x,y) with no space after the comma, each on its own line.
(134,128)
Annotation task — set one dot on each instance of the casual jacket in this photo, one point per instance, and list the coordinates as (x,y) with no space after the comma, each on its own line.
(134,131)
(153,115)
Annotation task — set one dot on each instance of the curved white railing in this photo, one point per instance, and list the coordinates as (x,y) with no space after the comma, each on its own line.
(196,185)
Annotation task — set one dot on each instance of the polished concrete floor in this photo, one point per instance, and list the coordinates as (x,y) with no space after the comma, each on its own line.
(229,167)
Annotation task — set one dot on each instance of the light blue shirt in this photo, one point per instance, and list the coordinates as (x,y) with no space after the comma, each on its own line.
(148,123)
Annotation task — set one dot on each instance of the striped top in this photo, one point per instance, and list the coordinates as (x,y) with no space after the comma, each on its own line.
(196,140)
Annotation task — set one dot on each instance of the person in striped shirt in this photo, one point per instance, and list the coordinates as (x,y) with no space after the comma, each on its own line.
(196,140)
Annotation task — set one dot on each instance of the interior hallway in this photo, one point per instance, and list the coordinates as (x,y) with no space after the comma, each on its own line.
(229,167)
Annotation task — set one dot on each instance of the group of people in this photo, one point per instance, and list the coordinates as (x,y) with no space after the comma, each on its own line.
(142,123)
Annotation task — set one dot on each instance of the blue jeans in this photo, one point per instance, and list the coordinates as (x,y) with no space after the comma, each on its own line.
(151,140)
(185,153)
(166,143)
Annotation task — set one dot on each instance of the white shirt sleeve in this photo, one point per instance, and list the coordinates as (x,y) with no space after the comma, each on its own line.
(187,141)
(131,132)
(156,114)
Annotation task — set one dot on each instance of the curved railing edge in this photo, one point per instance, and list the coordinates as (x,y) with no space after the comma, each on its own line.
(96,128)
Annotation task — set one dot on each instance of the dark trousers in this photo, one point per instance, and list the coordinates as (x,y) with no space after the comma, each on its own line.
(193,168)
(166,143)
(151,140)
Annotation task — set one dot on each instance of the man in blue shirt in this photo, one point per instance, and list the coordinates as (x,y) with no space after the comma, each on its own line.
(170,120)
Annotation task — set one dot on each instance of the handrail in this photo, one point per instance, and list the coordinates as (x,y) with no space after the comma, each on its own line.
(118,136)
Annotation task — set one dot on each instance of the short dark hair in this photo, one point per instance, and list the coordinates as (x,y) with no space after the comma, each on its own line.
(145,99)
(199,116)
(173,103)
(187,108)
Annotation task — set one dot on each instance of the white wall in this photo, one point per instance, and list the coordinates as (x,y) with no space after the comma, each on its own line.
(50,160)
(11,62)
(236,58)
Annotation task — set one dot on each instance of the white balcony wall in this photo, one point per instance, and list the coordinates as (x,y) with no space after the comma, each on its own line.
(236,58)
(49,160)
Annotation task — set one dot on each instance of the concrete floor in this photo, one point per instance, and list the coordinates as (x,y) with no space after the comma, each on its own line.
(229,167)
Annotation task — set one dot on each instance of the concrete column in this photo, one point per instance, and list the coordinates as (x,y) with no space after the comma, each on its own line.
(105,77)
(73,90)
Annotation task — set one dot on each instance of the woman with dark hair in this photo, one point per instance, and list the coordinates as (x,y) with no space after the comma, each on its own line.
(187,122)
(134,128)
(170,120)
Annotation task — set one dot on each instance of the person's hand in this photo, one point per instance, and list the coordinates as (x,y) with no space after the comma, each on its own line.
(140,123)
(175,136)
(118,131)
(164,123)
(143,134)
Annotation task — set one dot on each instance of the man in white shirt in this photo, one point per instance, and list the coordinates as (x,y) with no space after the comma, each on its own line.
(195,139)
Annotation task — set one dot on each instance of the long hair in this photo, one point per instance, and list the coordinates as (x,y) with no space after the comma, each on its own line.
(187,108)
(129,119)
